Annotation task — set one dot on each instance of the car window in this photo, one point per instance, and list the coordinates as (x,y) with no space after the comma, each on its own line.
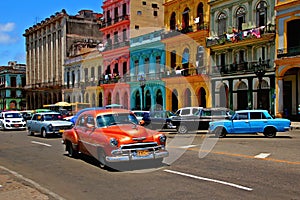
(13,115)
(185,112)
(90,122)
(194,110)
(206,113)
(241,116)
(255,115)
(51,117)
(81,120)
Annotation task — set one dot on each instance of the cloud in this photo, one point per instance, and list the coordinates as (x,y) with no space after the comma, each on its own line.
(8,27)
(5,37)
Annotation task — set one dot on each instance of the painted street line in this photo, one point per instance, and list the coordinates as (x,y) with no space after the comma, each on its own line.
(35,142)
(262,155)
(188,146)
(210,180)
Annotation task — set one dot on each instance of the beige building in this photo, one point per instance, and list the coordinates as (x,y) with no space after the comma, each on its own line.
(82,75)
(48,44)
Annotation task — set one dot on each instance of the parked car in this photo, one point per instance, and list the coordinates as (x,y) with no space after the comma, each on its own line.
(12,120)
(140,114)
(47,123)
(75,117)
(159,120)
(113,136)
(187,111)
(200,120)
(250,121)
(27,114)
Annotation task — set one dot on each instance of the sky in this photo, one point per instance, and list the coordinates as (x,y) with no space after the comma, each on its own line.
(17,16)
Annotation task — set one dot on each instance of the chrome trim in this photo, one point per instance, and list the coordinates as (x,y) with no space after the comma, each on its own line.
(128,154)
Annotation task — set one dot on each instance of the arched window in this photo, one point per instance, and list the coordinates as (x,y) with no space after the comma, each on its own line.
(240,18)
(222,23)
(173,21)
(185,18)
(200,17)
(261,14)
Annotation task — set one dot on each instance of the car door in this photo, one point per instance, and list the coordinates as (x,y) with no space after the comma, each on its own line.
(80,130)
(34,121)
(240,123)
(257,121)
(157,120)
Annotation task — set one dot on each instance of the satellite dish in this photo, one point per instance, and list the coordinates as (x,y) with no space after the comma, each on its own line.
(100,47)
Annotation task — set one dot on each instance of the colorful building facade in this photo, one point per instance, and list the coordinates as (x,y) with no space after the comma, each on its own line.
(288,58)
(147,68)
(242,54)
(12,83)
(187,58)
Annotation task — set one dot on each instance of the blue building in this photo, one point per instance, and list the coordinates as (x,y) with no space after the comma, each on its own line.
(12,83)
(147,67)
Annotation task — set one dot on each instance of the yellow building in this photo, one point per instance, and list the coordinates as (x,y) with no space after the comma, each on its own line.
(187,82)
(288,58)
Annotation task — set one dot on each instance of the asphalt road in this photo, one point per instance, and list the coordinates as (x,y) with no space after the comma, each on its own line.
(199,167)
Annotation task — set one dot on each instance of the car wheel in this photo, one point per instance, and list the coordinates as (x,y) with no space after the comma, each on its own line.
(101,158)
(29,133)
(44,133)
(270,132)
(182,129)
(71,151)
(220,132)
(2,127)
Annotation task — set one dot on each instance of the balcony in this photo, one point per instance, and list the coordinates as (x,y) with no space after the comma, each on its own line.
(241,68)
(116,45)
(288,52)
(246,34)
(109,21)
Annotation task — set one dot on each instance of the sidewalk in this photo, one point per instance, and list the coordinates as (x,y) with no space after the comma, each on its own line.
(295,125)
(14,186)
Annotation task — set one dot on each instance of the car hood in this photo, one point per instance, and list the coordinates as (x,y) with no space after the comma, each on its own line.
(129,131)
(60,123)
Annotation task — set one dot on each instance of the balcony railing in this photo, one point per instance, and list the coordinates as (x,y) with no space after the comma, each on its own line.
(241,35)
(116,45)
(110,21)
(288,52)
(241,68)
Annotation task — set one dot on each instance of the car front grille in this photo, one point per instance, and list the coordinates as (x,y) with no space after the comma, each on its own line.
(137,146)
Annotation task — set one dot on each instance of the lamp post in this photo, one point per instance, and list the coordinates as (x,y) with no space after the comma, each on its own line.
(259,71)
(142,81)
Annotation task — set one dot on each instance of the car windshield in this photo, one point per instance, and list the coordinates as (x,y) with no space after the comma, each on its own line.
(113,119)
(13,115)
(51,117)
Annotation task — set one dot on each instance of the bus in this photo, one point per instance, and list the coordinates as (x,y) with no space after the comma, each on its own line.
(67,109)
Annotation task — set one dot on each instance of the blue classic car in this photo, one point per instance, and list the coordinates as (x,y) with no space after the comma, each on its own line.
(250,121)
(47,123)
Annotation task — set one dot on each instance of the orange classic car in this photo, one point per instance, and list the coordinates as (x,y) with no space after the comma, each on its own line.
(113,135)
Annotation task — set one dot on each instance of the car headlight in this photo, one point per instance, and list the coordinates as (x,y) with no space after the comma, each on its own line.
(50,127)
(7,120)
(162,139)
(113,142)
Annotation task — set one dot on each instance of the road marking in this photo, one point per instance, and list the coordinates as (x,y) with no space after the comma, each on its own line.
(262,155)
(35,142)
(210,180)
(188,146)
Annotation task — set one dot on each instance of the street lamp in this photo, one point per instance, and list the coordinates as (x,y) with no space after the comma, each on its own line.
(259,70)
(142,81)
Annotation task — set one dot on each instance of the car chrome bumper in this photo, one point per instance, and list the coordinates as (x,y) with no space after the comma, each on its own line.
(132,156)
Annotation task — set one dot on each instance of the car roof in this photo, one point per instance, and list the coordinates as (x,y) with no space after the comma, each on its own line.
(49,113)
(258,110)
(106,111)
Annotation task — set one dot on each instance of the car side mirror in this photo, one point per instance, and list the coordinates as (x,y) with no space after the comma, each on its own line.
(142,122)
